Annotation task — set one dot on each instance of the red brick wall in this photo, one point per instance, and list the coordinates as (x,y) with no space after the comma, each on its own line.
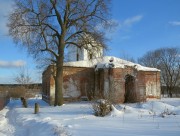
(75,79)
(82,79)
(46,77)
(88,82)
(3,102)
(118,84)
(116,78)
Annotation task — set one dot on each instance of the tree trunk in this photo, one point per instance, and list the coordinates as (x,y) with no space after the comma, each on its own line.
(170,92)
(167,91)
(59,80)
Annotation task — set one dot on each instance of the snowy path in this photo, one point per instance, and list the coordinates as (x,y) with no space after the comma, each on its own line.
(9,125)
(17,129)
(6,129)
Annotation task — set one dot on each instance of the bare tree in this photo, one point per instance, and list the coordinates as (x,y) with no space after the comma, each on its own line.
(124,55)
(45,28)
(168,61)
(150,59)
(23,76)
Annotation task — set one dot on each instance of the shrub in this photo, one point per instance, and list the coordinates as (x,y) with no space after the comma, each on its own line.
(102,107)
(17,92)
(166,112)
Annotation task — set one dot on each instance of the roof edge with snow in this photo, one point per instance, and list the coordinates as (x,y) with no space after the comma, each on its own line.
(107,62)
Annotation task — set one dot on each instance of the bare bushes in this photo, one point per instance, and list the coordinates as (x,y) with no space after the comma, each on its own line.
(102,103)
(102,107)
(17,92)
(166,112)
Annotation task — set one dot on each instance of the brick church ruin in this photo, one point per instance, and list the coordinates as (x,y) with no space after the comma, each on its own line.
(88,76)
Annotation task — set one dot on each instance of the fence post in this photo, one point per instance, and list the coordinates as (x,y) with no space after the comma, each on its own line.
(36,108)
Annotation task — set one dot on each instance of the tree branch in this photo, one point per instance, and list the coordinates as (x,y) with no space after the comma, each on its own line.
(57,14)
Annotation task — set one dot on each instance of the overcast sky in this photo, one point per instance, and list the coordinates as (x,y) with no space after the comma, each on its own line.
(143,25)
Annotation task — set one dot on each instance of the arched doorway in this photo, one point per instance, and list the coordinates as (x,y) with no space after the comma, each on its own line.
(130,91)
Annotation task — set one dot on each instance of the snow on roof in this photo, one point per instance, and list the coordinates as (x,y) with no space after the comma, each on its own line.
(107,62)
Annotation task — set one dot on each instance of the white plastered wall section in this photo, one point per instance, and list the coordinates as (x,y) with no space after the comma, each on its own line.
(72,89)
(83,54)
(153,87)
(52,92)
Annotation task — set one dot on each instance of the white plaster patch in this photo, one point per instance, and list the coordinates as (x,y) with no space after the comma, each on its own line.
(72,89)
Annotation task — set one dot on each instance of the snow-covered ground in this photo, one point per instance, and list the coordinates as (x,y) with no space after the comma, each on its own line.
(77,119)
